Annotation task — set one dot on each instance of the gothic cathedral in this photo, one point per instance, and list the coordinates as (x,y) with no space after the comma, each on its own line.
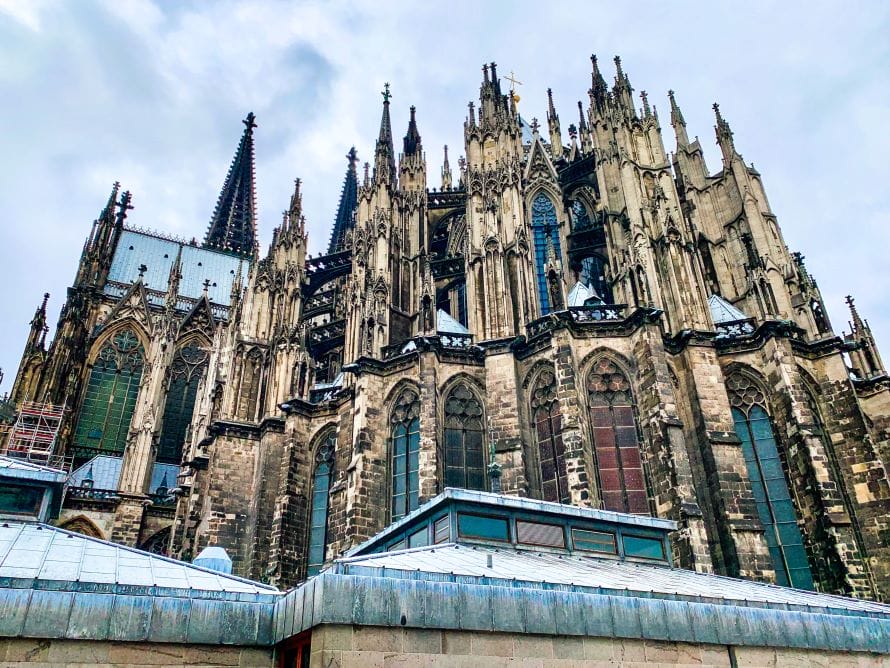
(583,318)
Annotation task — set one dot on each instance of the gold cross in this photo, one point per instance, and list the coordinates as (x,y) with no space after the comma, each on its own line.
(513,80)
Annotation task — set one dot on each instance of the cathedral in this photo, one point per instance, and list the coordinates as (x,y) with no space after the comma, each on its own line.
(577,314)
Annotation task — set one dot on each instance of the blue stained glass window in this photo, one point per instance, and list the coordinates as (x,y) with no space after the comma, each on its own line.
(110,398)
(544,221)
(318,512)
(772,498)
(405,461)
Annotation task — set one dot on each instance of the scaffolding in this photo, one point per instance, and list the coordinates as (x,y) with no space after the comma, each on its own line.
(33,436)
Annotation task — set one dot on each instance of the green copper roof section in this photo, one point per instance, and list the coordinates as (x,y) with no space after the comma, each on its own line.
(233,226)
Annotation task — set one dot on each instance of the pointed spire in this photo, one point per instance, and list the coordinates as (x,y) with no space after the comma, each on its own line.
(295,212)
(384,154)
(864,355)
(173,281)
(647,110)
(857,325)
(677,121)
(237,287)
(553,126)
(623,91)
(37,335)
(233,225)
(446,172)
(412,143)
(724,134)
(345,219)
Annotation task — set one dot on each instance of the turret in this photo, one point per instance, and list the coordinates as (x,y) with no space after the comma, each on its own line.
(384,153)
(864,355)
(446,172)
(724,136)
(412,162)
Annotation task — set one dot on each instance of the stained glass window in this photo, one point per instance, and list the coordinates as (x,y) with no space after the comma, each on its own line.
(405,464)
(110,398)
(186,370)
(771,495)
(548,431)
(544,224)
(615,440)
(464,440)
(318,512)
(593,275)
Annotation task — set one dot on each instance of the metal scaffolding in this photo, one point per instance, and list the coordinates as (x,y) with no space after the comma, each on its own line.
(33,436)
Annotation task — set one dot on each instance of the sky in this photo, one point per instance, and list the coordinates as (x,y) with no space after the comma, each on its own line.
(152,94)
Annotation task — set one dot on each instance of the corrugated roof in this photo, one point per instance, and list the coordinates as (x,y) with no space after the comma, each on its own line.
(42,552)
(19,468)
(723,311)
(157,254)
(460,562)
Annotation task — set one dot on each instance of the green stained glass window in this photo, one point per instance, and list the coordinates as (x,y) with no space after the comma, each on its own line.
(110,397)
(319,509)
(769,485)
(464,458)
(405,454)
(186,370)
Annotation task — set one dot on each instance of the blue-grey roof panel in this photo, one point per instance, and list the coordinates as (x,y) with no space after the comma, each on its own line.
(158,255)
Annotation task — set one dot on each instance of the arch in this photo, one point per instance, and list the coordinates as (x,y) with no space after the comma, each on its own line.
(82,525)
(319,508)
(547,423)
(404,420)
(463,435)
(186,370)
(626,365)
(766,471)
(109,399)
(616,437)
(159,543)
(545,234)
(110,331)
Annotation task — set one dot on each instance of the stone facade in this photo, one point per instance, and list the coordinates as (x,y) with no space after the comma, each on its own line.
(600,322)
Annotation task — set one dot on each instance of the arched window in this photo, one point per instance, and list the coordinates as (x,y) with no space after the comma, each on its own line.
(186,369)
(318,512)
(251,375)
(774,506)
(548,431)
(110,398)
(405,421)
(464,440)
(616,441)
(544,226)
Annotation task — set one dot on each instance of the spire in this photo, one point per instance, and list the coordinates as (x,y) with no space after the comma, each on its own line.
(623,91)
(864,355)
(346,210)
(647,111)
(677,121)
(233,225)
(384,154)
(446,172)
(37,336)
(724,135)
(553,126)
(856,324)
(173,281)
(412,138)
(598,86)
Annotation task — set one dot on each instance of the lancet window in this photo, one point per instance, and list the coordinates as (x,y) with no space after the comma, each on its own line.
(544,228)
(186,371)
(320,505)
(616,440)
(768,483)
(464,440)
(405,454)
(547,419)
(110,397)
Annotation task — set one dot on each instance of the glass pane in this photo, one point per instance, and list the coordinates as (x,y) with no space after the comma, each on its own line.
(538,533)
(594,541)
(20,499)
(646,548)
(419,538)
(478,526)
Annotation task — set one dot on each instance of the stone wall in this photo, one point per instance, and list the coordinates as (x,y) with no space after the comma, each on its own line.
(377,647)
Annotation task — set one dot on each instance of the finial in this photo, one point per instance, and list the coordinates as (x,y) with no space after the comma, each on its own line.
(142,269)
(551,110)
(582,123)
(250,122)
(352,156)
(645,97)
(618,66)
(367,167)
(45,300)
(124,206)
(573,132)
(535,125)
(386,94)
(206,286)
(494,72)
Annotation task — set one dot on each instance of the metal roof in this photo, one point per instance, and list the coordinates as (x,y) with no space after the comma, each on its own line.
(10,467)
(157,254)
(41,552)
(105,471)
(512,567)
(445,324)
(723,311)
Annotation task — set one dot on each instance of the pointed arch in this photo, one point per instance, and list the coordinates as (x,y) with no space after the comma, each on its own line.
(185,372)
(82,525)
(766,470)
(547,424)
(319,509)
(616,436)
(463,435)
(404,421)
(159,543)
(545,232)
(109,400)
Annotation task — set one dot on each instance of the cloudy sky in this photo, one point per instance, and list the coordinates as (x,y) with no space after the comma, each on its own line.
(152,94)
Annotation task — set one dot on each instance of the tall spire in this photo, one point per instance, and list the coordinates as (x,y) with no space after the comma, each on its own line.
(384,154)
(412,143)
(864,355)
(233,226)
(598,88)
(345,212)
(553,126)
(446,172)
(37,336)
(677,121)
(724,135)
